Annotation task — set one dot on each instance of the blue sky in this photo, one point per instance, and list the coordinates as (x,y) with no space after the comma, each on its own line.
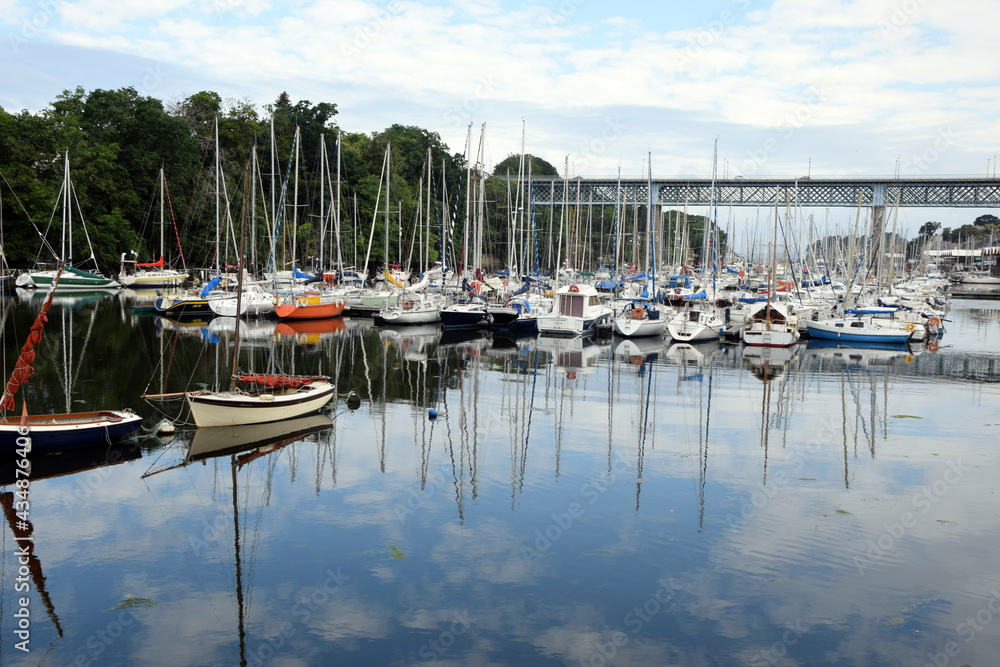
(828,87)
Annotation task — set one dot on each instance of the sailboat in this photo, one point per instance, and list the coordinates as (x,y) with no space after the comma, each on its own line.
(55,432)
(642,316)
(152,274)
(267,398)
(771,323)
(76,278)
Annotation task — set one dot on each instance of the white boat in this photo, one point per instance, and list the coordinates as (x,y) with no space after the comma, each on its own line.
(577,309)
(863,325)
(255,300)
(71,277)
(257,398)
(770,325)
(699,321)
(267,401)
(639,318)
(979,278)
(152,274)
(411,309)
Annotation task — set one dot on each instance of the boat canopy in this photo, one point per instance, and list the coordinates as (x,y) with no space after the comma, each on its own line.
(871,310)
(212,284)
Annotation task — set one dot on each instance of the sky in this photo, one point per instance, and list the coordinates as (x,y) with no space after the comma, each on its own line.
(787,87)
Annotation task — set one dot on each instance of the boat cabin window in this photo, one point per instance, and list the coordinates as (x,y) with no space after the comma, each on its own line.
(857,324)
(571,305)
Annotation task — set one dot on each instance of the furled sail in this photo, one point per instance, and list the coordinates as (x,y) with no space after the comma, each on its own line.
(23,370)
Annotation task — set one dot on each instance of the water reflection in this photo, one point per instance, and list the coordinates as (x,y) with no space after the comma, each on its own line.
(693,504)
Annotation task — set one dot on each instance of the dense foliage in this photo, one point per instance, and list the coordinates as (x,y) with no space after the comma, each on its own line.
(118,140)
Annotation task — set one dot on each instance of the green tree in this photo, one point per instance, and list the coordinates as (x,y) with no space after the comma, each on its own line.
(512,163)
(929,229)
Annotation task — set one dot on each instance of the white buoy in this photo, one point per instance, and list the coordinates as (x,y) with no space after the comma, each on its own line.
(165,427)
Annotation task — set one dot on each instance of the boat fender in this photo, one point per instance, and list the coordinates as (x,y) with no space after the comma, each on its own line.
(165,427)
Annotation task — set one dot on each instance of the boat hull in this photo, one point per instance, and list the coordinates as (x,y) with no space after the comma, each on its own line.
(150,279)
(67,281)
(770,338)
(638,328)
(182,306)
(60,432)
(829,332)
(309,307)
(233,409)
(685,333)
(567,325)
(463,317)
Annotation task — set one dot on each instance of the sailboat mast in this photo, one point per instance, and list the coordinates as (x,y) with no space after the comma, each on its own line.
(322,196)
(217,224)
(161,212)
(336,217)
(295,205)
(67,213)
(239,280)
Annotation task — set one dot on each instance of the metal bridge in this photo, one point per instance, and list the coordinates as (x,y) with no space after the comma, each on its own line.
(854,192)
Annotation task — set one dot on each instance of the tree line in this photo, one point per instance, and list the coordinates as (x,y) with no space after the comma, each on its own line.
(118,140)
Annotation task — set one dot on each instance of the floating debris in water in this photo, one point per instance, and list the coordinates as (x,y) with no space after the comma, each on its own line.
(131,601)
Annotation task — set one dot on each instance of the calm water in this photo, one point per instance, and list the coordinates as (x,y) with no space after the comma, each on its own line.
(588,504)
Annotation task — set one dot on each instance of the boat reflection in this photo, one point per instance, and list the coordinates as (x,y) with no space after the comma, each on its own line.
(647,347)
(415,343)
(694,353)
(766,363)
(213,441)
(310,332)
(864,356)
(67,299)
(253,331)
(72,461)
(573,355)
